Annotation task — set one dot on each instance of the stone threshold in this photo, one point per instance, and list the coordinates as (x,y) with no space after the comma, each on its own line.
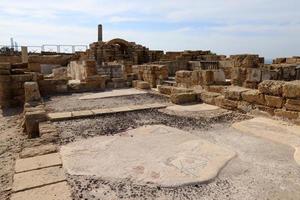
(61,116)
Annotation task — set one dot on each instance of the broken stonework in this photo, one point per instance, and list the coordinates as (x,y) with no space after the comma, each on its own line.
(143,85)
(253,96)
(32,92)
(32,120)
(274,101)
(292,104)
(286,114)
(292,89)
(234,92)
(163,89)
(209,97)
(271,87)
(182,98)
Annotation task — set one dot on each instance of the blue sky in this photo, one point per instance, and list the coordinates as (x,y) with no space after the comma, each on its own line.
(270,28)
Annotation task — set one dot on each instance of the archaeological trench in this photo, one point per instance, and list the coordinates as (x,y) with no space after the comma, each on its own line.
(120,121)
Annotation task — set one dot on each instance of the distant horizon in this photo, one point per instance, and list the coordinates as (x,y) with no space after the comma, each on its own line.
(224,27)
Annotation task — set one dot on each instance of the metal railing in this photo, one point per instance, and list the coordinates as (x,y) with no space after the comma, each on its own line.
(53,48)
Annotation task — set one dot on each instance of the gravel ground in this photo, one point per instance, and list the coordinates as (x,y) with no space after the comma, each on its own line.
(262,169)
(11,138)
(115,123)
(72,103)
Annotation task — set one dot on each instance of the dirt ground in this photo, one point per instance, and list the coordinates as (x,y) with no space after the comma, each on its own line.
(11,138)
(262,170)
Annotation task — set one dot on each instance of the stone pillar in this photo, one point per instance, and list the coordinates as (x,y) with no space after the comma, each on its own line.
(24,54)
(100,39)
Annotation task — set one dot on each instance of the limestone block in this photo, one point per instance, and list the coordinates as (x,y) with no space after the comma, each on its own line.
(286,114)
(4,78)
(182,98)
(219,76)
(32,92)
(34,67)
(5,66)
(218,100)
(291,89)
(289,72)
(4,72)
(143,85)
(244,106)
(60,73)
(229,104)
(246,61)
(134,83)
(32,120)
(253,96)
(253,75)
(238,76)
(234,92)
(21,77)
(292,104)
(176,90)
(208,77)
(266,109)
(215,88)
(271,87)
(164,89)
(38,150)
(37,162)
(59,191)
(36,178)
(209,97)
(274,101)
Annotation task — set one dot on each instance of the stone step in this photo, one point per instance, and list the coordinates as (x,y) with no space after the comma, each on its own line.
(38,162)
(37,178)
(57,191)
(97,112)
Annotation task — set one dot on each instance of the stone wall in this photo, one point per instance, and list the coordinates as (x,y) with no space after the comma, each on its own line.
(189,79)
(80,70)
(277,98)
(246,70)
(151,73)
(12,85)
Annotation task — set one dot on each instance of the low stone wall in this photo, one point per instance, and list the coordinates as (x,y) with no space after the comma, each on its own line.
(12,85)
(153,74)
(200,77)
(278,98)
(80,70)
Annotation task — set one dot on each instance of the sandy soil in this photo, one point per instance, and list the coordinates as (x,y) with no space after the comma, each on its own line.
(11,138)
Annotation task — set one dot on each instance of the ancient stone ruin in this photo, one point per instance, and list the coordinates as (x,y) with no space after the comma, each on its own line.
(121,121)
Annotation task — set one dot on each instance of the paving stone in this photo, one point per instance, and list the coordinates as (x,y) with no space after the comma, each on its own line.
(193,108)
(82,113)
(38,150)
(36,178)
(102,111)
(37,162)
(113,93)
(57,191)
(59,116)
(121,109)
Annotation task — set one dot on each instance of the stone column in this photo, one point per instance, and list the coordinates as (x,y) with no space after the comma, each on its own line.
(24,54)
(100,39)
